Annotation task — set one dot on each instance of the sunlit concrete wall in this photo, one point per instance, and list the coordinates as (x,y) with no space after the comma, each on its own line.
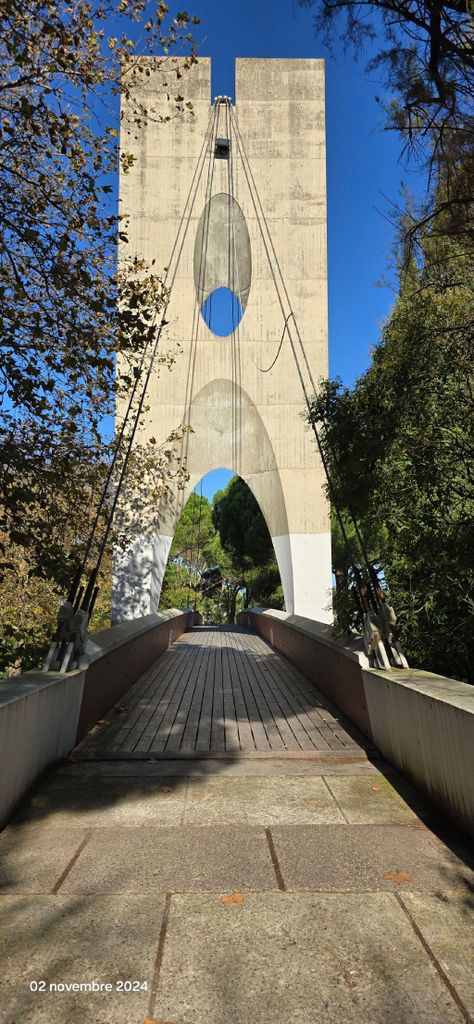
(242,419)
(420,722)
(42,715)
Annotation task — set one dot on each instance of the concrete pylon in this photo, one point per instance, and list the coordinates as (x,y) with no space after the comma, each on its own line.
(243,419)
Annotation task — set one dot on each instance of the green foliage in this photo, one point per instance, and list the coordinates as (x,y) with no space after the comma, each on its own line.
(404,441)
(242,528)
(403,437)
(66,308)
(425,58)
(245,538)
(222,556)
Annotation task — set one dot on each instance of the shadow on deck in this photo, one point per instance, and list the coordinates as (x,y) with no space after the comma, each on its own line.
(218,691)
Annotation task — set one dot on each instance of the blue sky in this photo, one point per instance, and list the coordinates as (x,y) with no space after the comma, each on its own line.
(364,174)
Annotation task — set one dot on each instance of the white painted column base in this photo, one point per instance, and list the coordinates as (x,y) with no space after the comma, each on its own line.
(137,577)
(304,561)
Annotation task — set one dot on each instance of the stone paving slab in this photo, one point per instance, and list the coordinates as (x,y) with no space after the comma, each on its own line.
(304,959)
(370,800)
(213,767)
(103,802)
(349,858)
(77,939)
(446,922)
(173,859)
(260,801)
(32,860)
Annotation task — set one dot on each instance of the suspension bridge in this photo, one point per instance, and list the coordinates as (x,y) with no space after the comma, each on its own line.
(257,821)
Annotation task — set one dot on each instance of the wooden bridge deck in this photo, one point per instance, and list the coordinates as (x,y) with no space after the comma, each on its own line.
(219,690)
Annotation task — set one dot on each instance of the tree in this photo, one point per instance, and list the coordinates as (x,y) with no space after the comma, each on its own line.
(400,443)
(427,58)
(192,551)
(245,538)
(243,531)
(403,439)
(220,555)
(66,309)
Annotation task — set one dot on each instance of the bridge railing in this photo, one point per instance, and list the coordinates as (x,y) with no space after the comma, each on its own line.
(43,716)
(421,723)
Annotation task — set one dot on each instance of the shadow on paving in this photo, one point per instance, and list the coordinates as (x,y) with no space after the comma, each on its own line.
(52,928)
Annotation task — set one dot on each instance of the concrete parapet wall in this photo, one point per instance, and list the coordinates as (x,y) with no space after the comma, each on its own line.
(336,670)
(421,723)
(424,724)
(42,715)
(38,722)
(119,655)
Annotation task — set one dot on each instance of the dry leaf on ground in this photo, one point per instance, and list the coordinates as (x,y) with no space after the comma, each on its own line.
(233,897)
(398,876)
(149,1020)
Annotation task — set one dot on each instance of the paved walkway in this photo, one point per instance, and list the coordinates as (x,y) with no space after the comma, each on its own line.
(234,890)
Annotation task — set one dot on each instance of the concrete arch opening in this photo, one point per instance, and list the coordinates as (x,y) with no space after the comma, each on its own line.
(227,430)
(222,557)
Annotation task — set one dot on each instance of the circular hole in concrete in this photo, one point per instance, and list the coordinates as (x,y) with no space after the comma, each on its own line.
(222,312)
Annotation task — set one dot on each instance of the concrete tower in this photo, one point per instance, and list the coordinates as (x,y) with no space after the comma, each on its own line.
(243,419)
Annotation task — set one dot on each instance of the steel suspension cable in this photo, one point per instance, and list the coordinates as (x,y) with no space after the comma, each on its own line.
(200,284)
(269,247)
(198,541)
(73,593)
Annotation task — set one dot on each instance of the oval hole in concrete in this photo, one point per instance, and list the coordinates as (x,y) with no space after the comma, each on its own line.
(222,312)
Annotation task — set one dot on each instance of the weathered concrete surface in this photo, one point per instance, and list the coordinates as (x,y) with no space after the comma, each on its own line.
(365,802)
(33,860)
(42,715)
(424,724)
(314,959)
(105,802)
(445,921)
(38,725)
(61,939)
(263,801)
(173,859)
(243,419)
(349,858)
(420,722)
(264,919)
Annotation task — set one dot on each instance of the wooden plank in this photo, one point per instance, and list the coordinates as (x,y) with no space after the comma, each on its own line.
(130,699)
(246,737)
(203,737)
(147,727)
(265,733)
(299,711)
(143,709)
(175,718)
(259,736)
(308,697)
(299,722)
(218,716)
(216,691)
(232,738)
(189,736)
(281,716)
(304,707)
(165,687)
(154,730)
